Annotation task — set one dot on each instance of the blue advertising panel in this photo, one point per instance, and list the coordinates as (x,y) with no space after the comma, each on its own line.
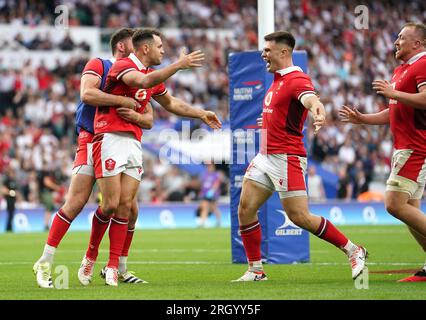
(162,216)
(249,82)
(171,215)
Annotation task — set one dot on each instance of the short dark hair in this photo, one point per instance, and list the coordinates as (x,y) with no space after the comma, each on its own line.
(283,37)
(120,35)
(145,34)
(420,29)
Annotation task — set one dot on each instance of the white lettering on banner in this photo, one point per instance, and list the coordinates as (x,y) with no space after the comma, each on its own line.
(244,136)
(243,94)
(62,20)
(336,215)
(369,215)
(62,279)
(362,283)
(283,229)
(21,222)
(361,21)
(167,219)
(288,232)
(238,182)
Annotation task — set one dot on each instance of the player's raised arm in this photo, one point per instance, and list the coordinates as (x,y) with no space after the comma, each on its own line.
(415,100)
(181,108)
(91,94)
(315,106)
(352,115)
(144,121)
(145,81)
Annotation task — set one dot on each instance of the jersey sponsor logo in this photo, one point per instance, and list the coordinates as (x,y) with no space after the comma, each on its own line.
(267,110)
(101,124)
(393,101)
(109,164)
(141,95)
(268,98)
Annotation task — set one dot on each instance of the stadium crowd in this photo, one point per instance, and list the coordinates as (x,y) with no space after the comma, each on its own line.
(37,104)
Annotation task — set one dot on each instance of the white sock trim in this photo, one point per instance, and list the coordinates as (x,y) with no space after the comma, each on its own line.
(48,254)
(350,247)
(122,263)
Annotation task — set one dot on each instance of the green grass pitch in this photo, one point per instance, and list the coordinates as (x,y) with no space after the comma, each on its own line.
(196,264)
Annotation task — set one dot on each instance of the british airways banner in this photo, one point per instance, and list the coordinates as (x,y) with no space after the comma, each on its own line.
(282,241)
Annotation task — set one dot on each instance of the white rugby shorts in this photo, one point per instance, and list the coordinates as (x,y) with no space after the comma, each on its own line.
(279,172)
(408,173)
(115,153)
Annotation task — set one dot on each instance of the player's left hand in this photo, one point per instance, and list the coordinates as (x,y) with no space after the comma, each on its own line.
(127,114)
(384,88)
(210,118)
(319,121)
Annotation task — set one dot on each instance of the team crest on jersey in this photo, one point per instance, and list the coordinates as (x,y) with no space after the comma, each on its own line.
(109,164)
(140,171)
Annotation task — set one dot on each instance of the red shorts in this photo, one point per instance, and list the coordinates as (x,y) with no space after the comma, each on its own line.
(83,162)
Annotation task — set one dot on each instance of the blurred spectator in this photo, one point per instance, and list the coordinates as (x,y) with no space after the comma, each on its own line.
(342,62)
(192,189)
(315,186)
(210,192)
(174,184)
(347,152)
(344,185)
(9,190)
(49,182)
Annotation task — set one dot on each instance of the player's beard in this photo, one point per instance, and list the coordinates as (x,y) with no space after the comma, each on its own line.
(128,51)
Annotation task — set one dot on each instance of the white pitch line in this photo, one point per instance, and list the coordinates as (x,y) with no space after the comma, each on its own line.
(223,263)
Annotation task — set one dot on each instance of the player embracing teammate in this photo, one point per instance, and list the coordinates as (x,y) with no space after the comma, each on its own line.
(114,154)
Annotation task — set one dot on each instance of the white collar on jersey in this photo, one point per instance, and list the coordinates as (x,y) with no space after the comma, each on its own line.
(137,62)
(416,57)
(284,71)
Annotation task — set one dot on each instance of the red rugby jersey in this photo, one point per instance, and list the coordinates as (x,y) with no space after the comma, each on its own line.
(107,118)
(408,125)
(283,113)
